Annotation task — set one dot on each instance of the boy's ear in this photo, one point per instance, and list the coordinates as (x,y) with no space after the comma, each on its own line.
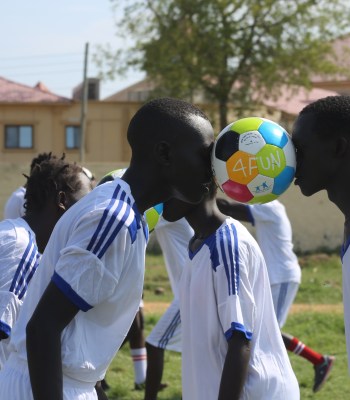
(162,152)
(342,147)
(62,200)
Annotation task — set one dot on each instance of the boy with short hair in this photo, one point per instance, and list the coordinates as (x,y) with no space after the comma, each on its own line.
(231,343)
(84,298)
(321,136)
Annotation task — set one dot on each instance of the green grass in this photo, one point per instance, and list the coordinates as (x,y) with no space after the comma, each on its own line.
(324,332)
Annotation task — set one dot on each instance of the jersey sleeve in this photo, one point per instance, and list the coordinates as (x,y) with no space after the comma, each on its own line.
(261,213)
(88,275)
(10,306)
(235,298)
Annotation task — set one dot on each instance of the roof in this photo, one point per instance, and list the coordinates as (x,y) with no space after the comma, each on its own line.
(12,92)
(130,93)
(292,100)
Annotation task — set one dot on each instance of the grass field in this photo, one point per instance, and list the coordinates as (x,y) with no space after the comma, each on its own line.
(316,317)
(321,327)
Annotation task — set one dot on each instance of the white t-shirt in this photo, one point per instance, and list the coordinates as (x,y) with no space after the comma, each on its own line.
(14,207)
(173,238)
(96,257)
(19,260)
(225,287)
(345,257)
(274,235)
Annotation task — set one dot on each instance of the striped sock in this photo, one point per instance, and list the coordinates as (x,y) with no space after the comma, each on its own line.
(139,358)
(299,348)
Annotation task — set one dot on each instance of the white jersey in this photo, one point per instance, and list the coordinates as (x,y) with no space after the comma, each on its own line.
(96,257)
(14,207)
(345,257)
(274,235)
(173,238)
(19,260)
(225,287)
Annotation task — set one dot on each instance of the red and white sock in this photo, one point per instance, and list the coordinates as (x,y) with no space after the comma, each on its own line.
(139,358)
(299,348)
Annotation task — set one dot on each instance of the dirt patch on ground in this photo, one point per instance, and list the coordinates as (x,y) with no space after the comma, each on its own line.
(322,308)
(160,307)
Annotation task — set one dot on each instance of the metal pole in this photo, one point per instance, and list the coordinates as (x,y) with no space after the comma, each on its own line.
(84,107)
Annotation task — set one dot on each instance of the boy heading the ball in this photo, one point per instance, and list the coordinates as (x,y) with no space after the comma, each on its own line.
(84,298)
(321,135)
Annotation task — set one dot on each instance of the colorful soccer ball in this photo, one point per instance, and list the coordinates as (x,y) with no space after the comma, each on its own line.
(152,214)
(253,160)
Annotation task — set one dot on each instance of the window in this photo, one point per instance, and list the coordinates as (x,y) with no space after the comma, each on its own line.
(18,136)
(72,137)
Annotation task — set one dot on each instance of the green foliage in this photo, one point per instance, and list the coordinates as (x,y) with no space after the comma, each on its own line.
(234,52)
(322,331)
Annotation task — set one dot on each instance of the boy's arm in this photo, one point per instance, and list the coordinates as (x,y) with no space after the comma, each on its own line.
(235,368)
(235,210)
(52,314)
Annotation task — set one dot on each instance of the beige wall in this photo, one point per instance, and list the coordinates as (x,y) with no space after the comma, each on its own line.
(106,127)
(316,222)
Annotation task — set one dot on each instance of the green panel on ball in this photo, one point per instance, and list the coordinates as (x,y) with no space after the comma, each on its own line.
(246,124)
(263,199)
(152,216)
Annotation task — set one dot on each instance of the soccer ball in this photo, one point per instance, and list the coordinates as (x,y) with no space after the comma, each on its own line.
(152,214)
(253,160)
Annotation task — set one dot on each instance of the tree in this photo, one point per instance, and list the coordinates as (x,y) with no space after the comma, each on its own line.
(232,51)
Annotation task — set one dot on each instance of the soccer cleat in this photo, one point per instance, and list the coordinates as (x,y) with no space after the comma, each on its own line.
(322,372)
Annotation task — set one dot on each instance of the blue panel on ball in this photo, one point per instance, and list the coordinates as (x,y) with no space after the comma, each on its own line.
(273,134)
(283,180)
(159,208)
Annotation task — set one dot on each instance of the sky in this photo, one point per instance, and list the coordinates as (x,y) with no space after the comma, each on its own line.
(45,41)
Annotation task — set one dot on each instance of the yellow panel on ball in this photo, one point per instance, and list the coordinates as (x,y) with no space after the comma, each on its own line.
(246,124)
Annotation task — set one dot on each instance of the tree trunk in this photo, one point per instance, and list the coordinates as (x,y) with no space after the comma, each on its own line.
(223,113)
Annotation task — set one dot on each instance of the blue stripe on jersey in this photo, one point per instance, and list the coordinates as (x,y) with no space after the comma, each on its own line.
(5,328)
(227,250)
(344,248)
(107,230)
(169,332)
(70,293)
(235,326)
(26,268)
(104,217)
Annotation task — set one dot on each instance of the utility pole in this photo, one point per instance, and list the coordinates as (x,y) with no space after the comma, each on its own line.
(84,106)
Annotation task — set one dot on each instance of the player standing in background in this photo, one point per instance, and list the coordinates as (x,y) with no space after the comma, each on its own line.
(231,343)
(83,300)
(274,236)
(173,238)
(14,206)
(53,186)
(321,136)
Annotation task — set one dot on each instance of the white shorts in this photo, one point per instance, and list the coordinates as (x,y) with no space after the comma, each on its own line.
(15,383)
(167,332)
(283,295)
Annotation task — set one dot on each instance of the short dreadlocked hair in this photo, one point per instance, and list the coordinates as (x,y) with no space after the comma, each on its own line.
(39,159)
(47,179)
